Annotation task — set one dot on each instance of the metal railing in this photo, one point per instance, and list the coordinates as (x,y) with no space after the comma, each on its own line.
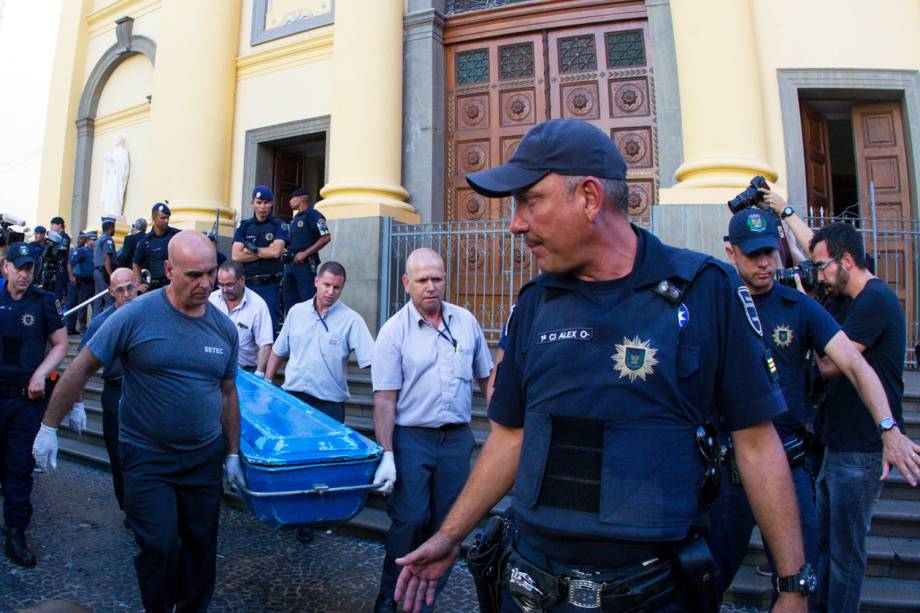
(485,265)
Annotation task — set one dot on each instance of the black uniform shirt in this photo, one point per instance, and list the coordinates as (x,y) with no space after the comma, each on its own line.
(307,227)
(263,234)
(153,250)
(25,326)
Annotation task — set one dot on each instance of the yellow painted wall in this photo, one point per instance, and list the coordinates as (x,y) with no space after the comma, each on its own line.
(728,54)
(128,86)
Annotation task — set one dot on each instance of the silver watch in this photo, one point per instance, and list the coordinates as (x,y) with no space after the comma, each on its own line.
(886,424)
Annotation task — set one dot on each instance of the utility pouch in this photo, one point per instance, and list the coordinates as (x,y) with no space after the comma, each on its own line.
(485,560)
(697,573)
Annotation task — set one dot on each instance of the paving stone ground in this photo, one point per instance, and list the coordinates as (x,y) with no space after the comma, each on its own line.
(85,555)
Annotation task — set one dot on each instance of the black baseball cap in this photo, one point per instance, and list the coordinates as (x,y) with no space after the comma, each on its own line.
(752,230)
(299,192)
(564,146)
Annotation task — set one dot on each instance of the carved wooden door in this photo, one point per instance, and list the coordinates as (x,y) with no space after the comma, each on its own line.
(881,158)
(602,74)
(817,161)
(497,93)
(288,176)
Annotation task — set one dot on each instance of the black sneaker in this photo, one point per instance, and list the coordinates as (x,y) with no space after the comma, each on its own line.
(16,548)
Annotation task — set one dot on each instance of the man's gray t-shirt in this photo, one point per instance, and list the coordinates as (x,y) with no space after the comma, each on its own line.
(173,367)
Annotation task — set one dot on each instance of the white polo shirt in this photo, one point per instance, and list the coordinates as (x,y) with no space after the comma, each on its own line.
(253,323)
(319,348)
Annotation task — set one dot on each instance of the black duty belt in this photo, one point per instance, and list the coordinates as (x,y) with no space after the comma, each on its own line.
(645,586)
(264,279)
(12,391)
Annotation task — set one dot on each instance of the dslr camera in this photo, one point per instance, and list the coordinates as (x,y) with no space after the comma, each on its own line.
(8,236)
(751,196)
(806,270)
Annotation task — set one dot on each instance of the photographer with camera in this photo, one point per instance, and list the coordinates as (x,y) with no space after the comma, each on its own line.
(29,320)
(793,324)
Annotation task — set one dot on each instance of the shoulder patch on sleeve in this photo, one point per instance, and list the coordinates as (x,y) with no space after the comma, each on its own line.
(321,226)
(750,310)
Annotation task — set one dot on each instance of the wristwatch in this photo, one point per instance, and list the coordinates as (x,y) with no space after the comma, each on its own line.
(804,582)
(787,212)
(886,424)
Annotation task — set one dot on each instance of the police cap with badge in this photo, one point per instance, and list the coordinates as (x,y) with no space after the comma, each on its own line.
(161,207)
(262,192)
(20,255)
(752,230)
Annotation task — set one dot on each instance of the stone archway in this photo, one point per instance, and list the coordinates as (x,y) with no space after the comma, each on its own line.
(126,46)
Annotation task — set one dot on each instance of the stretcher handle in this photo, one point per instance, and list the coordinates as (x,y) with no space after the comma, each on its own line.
(319,488)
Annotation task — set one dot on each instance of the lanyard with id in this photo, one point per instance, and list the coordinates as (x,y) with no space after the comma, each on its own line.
(448,337)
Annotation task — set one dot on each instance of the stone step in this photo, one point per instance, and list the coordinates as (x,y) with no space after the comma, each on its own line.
(879,594)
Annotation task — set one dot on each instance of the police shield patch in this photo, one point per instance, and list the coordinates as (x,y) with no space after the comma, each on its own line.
(782,335)
(635,359)
(756,222)
(269,237)
(750,311)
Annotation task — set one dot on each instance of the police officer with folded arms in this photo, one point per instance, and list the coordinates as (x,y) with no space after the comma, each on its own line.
(621,357)
(152,250)
(793,325)
(103,264)
(29,320)
(309,234)
(259,243)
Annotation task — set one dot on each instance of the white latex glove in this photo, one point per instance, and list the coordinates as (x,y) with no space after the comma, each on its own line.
(260,374)
(77,417)
(234,471)
(45,448)
(386,473)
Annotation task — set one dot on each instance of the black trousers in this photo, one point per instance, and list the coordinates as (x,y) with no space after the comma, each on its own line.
(20,420)
(111,396)
(172,502)
(335,410)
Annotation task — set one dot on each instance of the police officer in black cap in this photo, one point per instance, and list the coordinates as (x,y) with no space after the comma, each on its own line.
(39,240)
(151,251)
(29,319)
(309,234)
(104,264)
(621,357)
(793,325)
(259,243)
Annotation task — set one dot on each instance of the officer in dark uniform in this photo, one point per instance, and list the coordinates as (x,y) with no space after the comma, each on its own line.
(103,264)
(309,234)
(152,250)
(29,319)
(259,243)
(794,325)
(621,357)
(39,239)
(125,256)
(81,262)
(60,290)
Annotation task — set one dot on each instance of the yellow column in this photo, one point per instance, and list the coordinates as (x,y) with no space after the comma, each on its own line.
(721,101)
(366,132)
(59,145)
(191,114)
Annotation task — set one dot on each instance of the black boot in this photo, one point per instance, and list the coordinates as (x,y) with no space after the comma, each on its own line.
(16,548)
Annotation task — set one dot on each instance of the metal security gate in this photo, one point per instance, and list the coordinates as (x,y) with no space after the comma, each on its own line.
(486,265)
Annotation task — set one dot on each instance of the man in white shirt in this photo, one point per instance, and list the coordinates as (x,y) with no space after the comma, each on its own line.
(249,314)
(318,335)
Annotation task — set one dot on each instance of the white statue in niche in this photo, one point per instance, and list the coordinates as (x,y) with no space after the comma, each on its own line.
(115,179)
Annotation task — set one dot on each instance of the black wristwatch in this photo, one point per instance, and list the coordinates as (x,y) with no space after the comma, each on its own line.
(804,582)
(886,424)
(787,212)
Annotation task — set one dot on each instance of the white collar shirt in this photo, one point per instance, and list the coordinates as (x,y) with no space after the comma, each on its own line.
(252,321)
(432,369)
(318,348)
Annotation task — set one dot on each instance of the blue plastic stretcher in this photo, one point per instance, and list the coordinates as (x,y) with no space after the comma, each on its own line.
(302,467)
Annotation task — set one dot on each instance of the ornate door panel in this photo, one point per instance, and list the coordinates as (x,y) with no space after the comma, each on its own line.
(496,93)
(288,176)
(602,74)
(881,157)
(817,160)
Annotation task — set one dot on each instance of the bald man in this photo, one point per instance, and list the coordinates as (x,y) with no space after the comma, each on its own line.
(123,285)
(425,360)
(179,423)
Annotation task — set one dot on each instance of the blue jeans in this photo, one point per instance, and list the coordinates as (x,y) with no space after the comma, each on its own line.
(732,521)
(847,489)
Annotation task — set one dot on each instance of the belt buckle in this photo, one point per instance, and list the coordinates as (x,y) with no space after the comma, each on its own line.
(585,594)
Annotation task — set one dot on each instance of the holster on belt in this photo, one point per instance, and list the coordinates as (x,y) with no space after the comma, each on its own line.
(697,573)
(485,560)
